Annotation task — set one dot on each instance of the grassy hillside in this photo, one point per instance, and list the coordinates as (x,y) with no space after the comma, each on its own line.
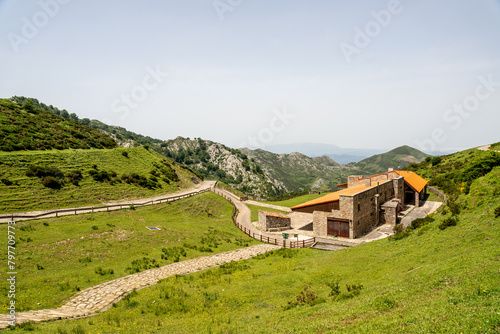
(397,158)
(432,281)
(26,127)
(57,257)
(68,178)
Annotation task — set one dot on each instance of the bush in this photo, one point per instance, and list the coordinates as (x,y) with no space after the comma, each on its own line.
(306,297)
(51,182)
(125,154)
(95,228)
(7,182)
(142,264)
(74,177)
(103,272)
(450,221)
(173,253)
(419,222)
(42,171)
(436,160)
(497,212)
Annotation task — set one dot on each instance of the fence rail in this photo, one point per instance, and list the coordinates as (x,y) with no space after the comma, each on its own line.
(259,236)
(437,192)
(92,209)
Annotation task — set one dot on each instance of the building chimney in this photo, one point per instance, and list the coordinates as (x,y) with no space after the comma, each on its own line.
(391,169)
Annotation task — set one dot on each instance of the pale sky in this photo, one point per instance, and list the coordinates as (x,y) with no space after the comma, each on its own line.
(359,74)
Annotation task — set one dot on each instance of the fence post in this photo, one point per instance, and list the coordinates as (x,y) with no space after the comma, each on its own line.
(57,213)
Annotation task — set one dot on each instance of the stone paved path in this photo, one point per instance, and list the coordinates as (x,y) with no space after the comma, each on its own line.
(100,297)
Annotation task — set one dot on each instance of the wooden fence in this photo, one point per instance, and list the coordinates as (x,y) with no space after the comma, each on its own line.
(258,236)
(92,209)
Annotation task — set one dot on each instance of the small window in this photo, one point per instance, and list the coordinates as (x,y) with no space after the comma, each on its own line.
(359,207)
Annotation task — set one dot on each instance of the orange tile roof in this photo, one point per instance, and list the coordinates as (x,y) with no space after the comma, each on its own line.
(274,214)
(333,197)
(414,180)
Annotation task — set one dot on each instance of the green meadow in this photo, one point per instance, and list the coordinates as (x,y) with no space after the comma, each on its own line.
(57,257)
(84,177)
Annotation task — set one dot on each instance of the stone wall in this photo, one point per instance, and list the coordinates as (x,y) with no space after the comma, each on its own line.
(389,212)
(366,206)
(320,223)
(356,180)
(270,221)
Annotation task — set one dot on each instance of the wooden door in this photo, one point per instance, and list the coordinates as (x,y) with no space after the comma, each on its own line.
(339,228)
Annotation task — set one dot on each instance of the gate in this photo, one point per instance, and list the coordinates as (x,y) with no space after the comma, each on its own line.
(338,227)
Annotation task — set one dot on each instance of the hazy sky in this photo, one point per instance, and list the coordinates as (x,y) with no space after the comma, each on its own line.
(361,74)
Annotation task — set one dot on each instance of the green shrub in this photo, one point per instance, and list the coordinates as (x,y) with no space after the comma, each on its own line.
(419,222)
(86,259)
(6,182)
(74,177)
(142,264)
(103,272)
(95,228)
(306,297)
(497,212)
(449,221)
(173,253)
(125,154)
(436,160)
(51,182)
(334,287)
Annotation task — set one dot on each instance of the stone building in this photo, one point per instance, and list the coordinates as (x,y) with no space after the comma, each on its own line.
(363,203)
(274,221)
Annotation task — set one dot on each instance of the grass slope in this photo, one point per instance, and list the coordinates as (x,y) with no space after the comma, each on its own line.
(70,249)
(24,127)
(432,281)
(19,192)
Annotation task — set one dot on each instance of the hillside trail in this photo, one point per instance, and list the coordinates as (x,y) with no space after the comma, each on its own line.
(99,298)
(81,210)
(486,148)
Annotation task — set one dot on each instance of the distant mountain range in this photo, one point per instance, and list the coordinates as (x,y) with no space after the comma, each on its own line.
(338,154)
